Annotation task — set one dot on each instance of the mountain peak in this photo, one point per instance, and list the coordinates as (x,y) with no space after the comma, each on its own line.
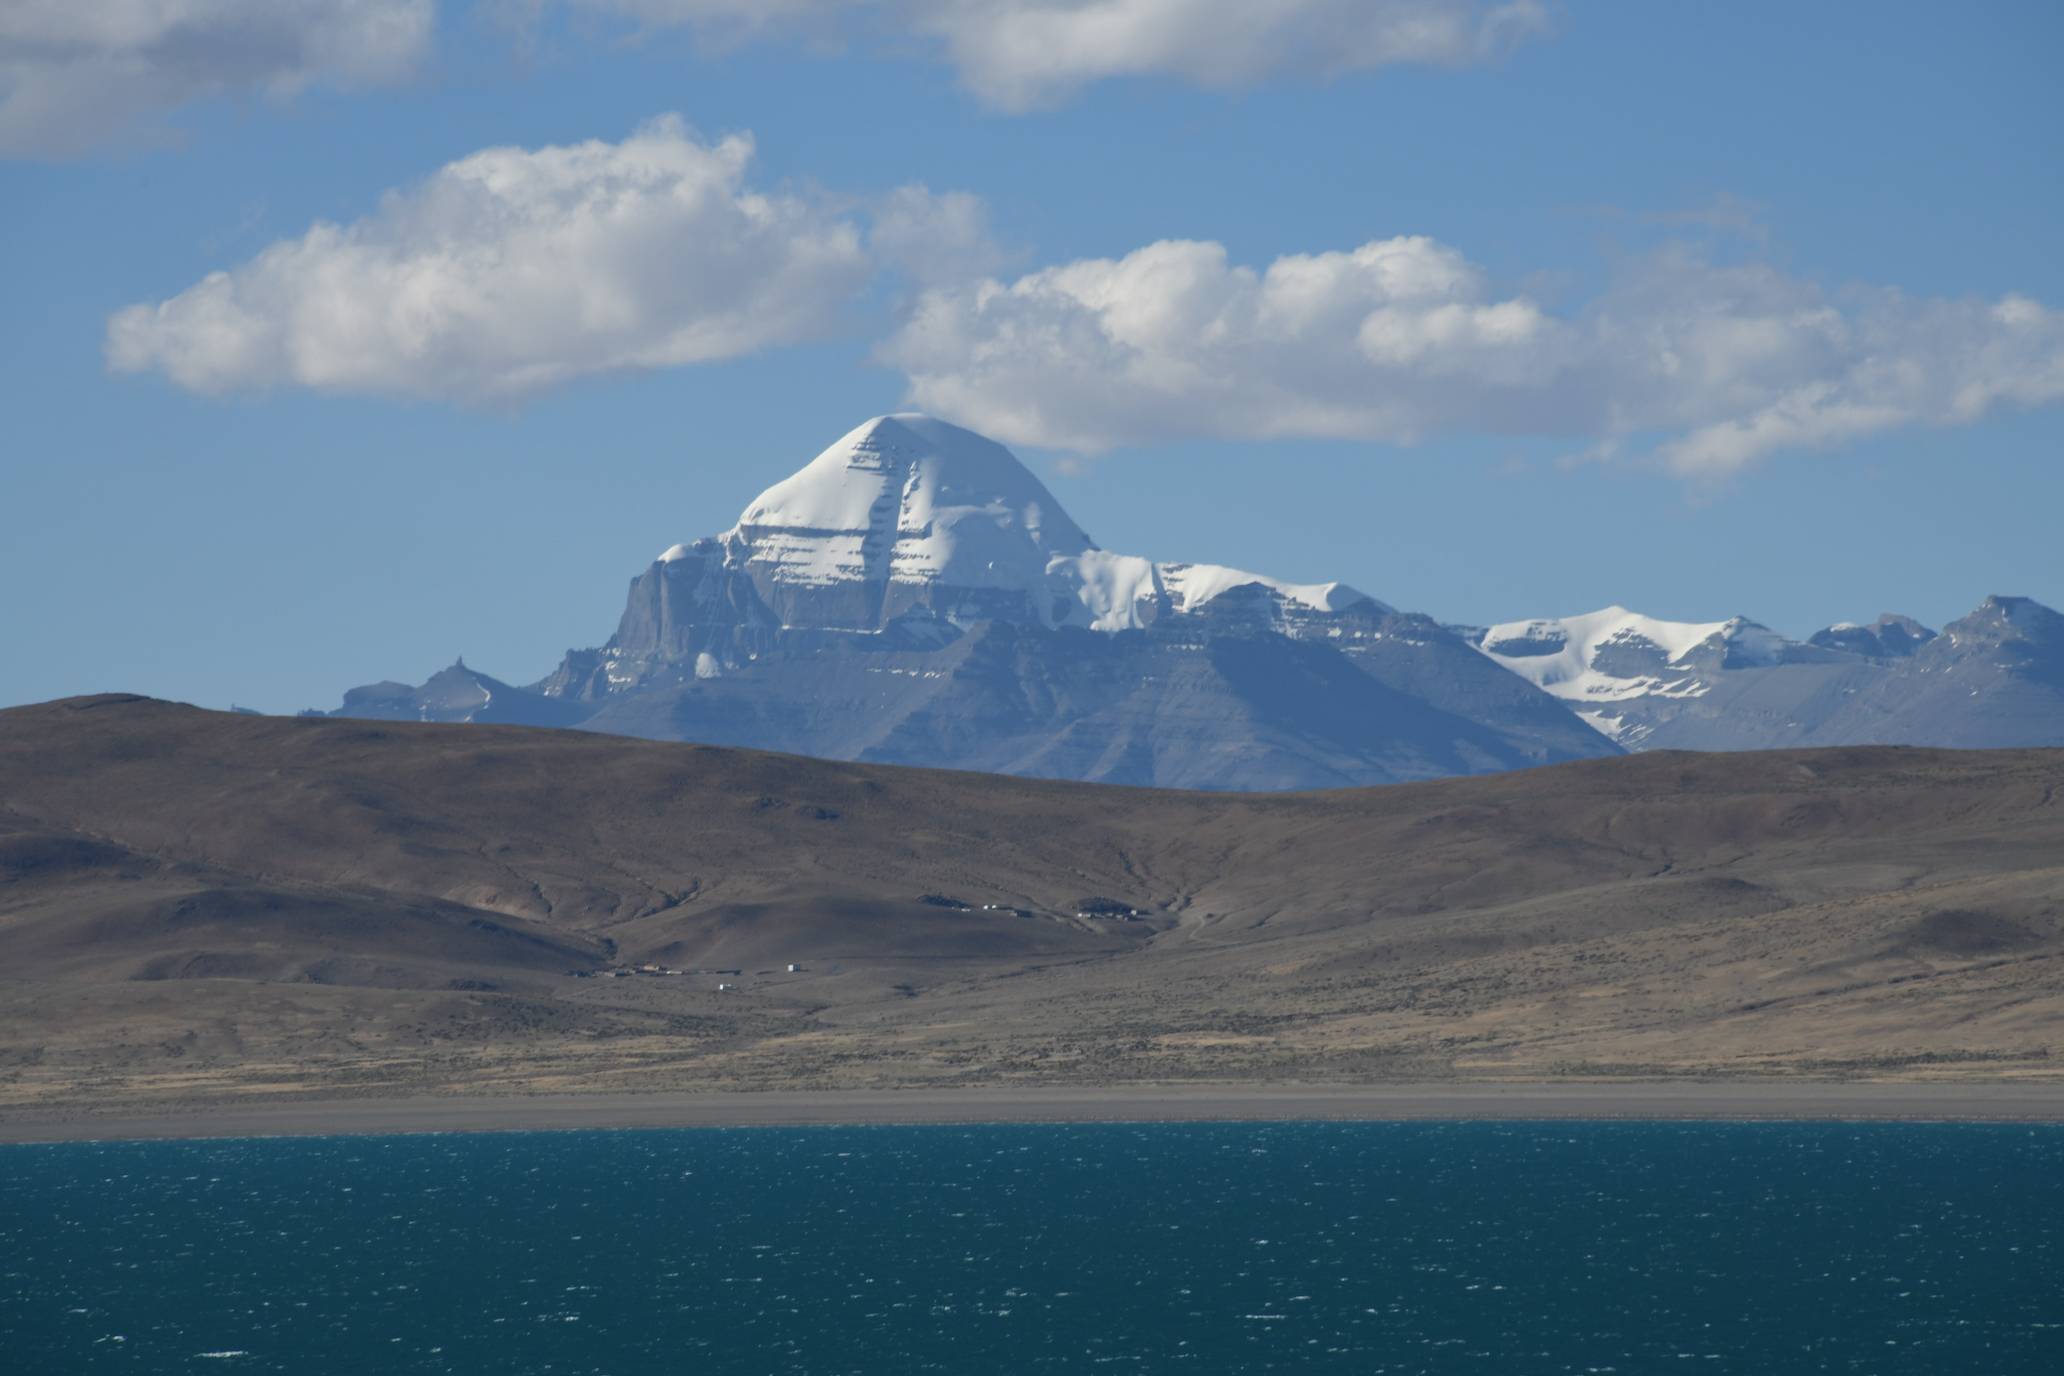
(2022,611)
(2000,618)
(1891,636)
(1575,639)
(921,470)
(907,499)
(915,592)
(1606,663)
(906,511)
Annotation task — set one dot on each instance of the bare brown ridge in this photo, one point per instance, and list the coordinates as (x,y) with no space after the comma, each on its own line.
(202,908)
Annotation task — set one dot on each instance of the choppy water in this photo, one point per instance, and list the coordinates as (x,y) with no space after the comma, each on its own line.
(1484,1248)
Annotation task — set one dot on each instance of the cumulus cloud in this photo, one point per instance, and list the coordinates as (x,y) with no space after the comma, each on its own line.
(1022,53)
(1710,368)
(720,13)
(1891,362)
(74,72)
(722,22)
(1017,54)
(516,268)
(934,237)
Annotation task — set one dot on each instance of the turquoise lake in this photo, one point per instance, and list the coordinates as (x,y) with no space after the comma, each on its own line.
(1367,1248)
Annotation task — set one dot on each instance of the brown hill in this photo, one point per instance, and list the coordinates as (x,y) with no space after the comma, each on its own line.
(195,903)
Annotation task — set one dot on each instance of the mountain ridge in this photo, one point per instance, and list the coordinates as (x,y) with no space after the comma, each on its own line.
(914,594)
(1994,677)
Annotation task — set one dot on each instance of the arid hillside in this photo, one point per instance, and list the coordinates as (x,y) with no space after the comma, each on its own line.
(197,904)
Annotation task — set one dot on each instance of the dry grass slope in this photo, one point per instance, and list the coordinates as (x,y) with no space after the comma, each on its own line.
(196,905)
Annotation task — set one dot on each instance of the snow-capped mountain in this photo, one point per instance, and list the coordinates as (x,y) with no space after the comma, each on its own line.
(1634,677)
(915,594)
(908,512)
(913,526)
(1993,678)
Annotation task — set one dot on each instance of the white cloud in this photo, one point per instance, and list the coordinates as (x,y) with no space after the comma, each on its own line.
(1017,54)
(74,72)
(1712,367)
(744,13)
(1891,362)
(512,269)
(721,22)
(934,237)
(1021,53)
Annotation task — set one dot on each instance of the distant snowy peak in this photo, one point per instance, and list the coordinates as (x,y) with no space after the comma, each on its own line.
(928,514)
(1615,656)
(1889,637)
(1607,651)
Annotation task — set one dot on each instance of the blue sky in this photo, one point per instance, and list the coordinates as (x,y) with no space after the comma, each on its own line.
(1700,309)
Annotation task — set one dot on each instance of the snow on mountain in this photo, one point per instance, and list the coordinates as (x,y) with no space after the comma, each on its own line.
(1993,678)
(944,518)
(1891,636)
(1615,656)
(915,594)
(1559,653)
(1564,654)
(1192,585)
(1105,591)
(1123,592)
(907,499)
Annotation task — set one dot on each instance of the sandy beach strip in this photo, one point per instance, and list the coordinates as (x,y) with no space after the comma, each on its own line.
(1664,1101)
